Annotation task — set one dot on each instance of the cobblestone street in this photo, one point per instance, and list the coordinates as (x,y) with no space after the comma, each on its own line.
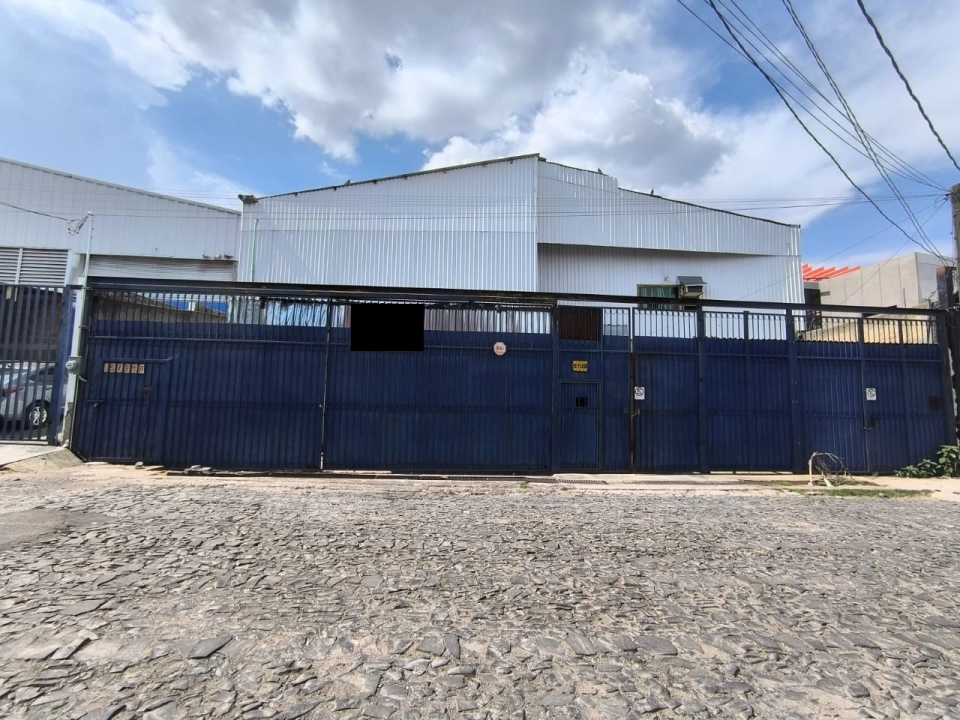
(164,598)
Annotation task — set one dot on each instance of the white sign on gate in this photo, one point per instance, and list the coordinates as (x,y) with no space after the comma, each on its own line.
(872,394)
(639,393)
(499,349)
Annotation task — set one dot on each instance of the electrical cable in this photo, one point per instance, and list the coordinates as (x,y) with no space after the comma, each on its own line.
(904,170)
(908,171)
(852,119)
(806,129)
(33,212)
(906,82)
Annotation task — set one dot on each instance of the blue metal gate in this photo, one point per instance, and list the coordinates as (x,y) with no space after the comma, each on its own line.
(269,379)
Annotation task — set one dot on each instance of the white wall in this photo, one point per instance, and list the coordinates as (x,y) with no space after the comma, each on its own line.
(618,271)
(908,281)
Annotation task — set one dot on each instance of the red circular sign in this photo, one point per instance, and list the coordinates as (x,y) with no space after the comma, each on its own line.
(499,349)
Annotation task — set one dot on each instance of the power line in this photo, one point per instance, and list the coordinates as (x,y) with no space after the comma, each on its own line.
(936,208)
(898,164)
(893,255)
(852,119)
(806,129)
(896,66)
(33,212)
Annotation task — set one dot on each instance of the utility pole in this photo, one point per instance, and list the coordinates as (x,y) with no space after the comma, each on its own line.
(955,204)
(75,339)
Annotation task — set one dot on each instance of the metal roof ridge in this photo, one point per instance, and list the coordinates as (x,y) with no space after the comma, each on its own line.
(403,176)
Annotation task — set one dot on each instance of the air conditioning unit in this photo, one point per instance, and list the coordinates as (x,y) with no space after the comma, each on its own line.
(691,286)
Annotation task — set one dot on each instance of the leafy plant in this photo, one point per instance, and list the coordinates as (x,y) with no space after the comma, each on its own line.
(947,464)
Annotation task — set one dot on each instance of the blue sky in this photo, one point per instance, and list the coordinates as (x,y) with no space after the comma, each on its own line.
(205,100)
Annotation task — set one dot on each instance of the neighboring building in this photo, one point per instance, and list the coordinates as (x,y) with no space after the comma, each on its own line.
(135,233)
(908,281)
(517,224)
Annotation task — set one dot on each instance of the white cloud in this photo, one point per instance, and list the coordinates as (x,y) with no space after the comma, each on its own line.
(172,173)
(601,84)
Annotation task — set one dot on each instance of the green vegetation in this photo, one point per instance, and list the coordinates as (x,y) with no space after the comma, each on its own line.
(863,492)
(947,464)
(524,485)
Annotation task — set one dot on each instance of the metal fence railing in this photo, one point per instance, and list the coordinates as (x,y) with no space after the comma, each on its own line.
(254,376)
(34,339)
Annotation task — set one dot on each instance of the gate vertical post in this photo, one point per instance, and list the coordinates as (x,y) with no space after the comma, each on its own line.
(861,348)
(796,417)
(943,342)
(904,386)
(748,389)
(59,368)
(555,390)
(633,383)
(701,388)
(326,381)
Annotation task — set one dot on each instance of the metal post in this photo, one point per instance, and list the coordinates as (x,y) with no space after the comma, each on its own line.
(867,425)
(949,411)
(796,417)
(702,416)
(79,312)
(326,380)
(633,402)
(955,204)
(555,392)
(748,389)
(63,352)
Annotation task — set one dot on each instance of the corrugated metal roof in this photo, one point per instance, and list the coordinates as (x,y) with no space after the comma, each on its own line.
(478,226)
(37,203)
(470,229)
(404,176)
(582,207)
(114,186)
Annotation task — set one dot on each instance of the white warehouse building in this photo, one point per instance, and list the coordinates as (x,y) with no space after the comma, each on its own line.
(135,233)
(518,224)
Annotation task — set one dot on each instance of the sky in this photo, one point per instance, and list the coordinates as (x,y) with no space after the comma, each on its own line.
(212,98)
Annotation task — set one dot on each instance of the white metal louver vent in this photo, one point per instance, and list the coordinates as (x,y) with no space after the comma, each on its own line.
(31,266)
(9,264)
(43,267)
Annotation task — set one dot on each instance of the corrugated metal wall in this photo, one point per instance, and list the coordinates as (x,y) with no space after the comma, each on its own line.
(469,228)
(578,207)
(618,271)
(127,222)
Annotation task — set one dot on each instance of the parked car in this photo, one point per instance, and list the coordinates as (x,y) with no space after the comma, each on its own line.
(26,390)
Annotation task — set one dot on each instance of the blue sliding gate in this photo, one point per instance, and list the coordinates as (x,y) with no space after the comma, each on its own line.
(245,380)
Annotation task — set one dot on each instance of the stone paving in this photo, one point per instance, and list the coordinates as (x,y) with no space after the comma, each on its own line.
(174,599)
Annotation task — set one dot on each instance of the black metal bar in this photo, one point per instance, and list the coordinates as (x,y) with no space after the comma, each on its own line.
(342,292)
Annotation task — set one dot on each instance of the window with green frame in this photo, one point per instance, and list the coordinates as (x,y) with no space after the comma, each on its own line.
(658,291)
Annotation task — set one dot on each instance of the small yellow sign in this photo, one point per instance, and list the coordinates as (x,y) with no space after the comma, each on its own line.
(124,368)
(580,366)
